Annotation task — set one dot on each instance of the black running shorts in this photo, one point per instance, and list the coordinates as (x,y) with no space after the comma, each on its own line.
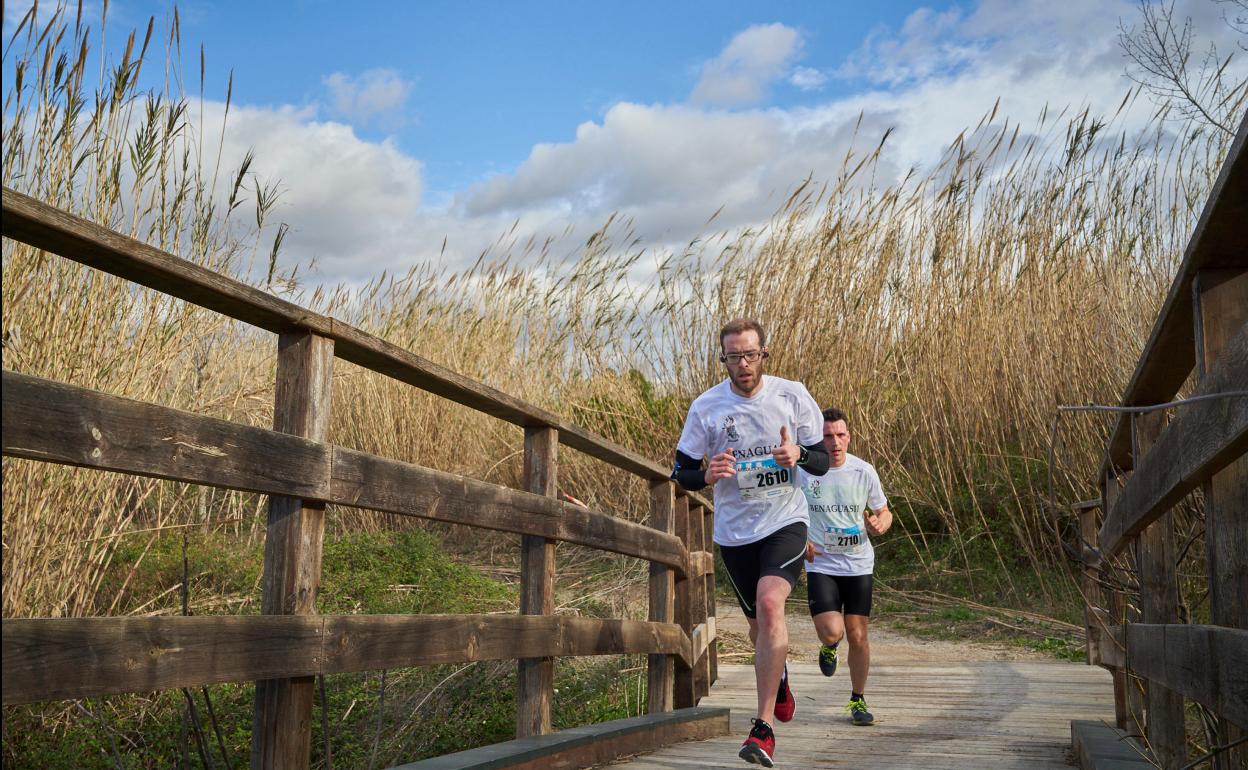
(849,594)
(781,553)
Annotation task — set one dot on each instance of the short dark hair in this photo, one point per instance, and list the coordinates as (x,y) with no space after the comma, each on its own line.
(832,414)
(741,325)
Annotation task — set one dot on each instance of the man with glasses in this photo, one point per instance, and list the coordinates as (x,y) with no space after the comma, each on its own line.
(755,431)
(847,509)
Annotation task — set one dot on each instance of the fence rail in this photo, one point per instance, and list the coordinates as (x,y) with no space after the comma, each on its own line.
(1158,655)
(295,465)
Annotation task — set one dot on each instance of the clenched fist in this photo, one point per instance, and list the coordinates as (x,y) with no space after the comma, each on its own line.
(721,466)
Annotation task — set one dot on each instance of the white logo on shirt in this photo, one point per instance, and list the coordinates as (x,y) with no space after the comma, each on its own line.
(730,427)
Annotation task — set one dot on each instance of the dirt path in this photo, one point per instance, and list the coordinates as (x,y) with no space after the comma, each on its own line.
(733,630)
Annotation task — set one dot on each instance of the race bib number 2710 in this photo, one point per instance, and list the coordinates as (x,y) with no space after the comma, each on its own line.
(763,479)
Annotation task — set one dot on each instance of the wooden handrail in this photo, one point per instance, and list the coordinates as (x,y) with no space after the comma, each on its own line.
(54,422)
(1208,664)
(1149,466)
(1168,356)
(57,658)
(57,422)
(1200,442)
(45,227)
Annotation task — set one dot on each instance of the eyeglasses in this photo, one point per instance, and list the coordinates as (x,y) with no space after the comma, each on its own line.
(749,356)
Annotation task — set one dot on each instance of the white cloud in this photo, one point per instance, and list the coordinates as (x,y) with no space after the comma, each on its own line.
(359,207)
(750,61)
(807,79)
(349,202)
(372,94)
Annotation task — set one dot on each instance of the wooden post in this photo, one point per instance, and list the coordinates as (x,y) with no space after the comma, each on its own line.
(1109,496)
(1090,585)
(660,673)
(701,667)
(1219,311)
(684,695)
(535,683)
(282,719)
(708,544)
(1159,603)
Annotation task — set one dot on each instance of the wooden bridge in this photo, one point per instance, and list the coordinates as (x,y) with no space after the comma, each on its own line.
(1018,716)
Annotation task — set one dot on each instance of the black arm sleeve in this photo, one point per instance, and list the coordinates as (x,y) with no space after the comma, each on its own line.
(688,472)
(817,459)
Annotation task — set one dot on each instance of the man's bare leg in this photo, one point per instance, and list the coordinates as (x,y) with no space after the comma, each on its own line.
(859,651)
(770,636)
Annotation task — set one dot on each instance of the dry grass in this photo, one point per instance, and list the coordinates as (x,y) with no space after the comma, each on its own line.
(947,314)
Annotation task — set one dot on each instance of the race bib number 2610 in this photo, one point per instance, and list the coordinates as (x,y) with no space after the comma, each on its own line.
(763,479)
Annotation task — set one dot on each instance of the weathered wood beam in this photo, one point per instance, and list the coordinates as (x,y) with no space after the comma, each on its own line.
(60,658)
(1217,241)
(535,677)
(587,746)
(1208,664)
(1159,603)
(662,595)
(54,422)
(684,690)
(281,727)
(1202,439)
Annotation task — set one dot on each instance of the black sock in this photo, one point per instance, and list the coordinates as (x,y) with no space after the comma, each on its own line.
(856,696)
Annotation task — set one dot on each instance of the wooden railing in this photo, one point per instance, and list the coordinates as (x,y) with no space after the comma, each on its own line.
(289,644)
(1151,463)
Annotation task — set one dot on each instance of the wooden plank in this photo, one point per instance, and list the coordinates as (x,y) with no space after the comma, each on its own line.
(684,693)
(1208,664)
(535,682)
(1098,746)
(1223,319)
(1203,439)
(282,717)
(697,610)
(587,746)
(46,227)
(1159,603)
(1089,584)
(361,642)
(59,658)
(1217,241)
(54,422)
(1220,301)
(367,481)
(1012,715)
(701,564)
(708,543)
(659,668)
(1107,643)
(1111,492)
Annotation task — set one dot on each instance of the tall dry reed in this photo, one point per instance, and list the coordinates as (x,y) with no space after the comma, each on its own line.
(948,313)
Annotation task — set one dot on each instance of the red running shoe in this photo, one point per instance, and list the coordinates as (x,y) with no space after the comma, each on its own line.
(761,744)
(785,705)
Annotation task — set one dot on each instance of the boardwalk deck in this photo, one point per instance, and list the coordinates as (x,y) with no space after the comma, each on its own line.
(999,714)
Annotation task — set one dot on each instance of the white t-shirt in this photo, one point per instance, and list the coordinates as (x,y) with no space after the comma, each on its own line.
(837,502)
(762,497)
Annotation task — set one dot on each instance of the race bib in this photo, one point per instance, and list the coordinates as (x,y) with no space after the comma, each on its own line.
(763,479)
(843,539)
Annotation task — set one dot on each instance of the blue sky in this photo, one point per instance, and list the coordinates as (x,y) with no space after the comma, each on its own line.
(392,128)
(486,81)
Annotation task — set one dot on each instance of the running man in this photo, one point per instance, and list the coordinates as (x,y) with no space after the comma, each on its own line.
(842,560)
(746,428)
